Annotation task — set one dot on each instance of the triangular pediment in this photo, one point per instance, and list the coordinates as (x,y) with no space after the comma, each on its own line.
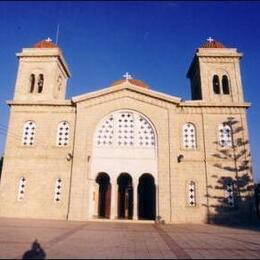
(127,87)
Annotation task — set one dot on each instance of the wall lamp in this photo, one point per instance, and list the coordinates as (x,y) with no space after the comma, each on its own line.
(180,158)
(69,157)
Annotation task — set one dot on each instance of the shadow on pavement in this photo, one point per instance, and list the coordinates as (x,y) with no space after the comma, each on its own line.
(36,252)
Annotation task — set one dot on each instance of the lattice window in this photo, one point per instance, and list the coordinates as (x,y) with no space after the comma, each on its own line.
(192,194)
(29,133)
(145,133)
(21,189)
(63,133)
(225,135)
(229,194)
(105,132)
(125,129)
(189,136)
(57,194)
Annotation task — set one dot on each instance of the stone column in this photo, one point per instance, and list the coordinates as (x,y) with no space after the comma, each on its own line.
(135,200)
(156,200)
(114,192)
(96,199)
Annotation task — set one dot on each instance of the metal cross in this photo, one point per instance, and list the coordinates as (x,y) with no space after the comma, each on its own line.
(127,76)
(210,39)
(48,39)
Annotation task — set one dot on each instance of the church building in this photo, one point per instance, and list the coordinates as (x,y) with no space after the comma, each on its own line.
(127,151)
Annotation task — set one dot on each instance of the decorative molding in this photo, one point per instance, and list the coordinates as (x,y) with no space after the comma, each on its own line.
(130,88)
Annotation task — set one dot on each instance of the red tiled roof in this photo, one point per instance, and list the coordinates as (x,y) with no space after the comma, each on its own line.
(136,82)
(45,44)
(213,44)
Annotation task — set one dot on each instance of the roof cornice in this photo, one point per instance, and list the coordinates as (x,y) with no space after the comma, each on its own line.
(127,86)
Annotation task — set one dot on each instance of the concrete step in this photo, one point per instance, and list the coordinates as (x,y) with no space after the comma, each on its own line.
(123,220)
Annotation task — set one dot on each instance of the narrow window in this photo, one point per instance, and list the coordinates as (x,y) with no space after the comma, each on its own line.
(225,85)
(216,87)
(32,83)
(225,136)
(229,194)
(29,133)
(63,134)
(40,83)
(191,194)
(57,194)
(59,81)
(21,189)
(189,136)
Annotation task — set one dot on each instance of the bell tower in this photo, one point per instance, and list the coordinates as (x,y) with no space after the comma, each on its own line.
(215,74)
(42,73)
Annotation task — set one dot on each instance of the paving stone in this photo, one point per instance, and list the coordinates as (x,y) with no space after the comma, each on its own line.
(65,240)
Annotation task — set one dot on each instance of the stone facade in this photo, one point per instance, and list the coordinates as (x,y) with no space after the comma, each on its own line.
(197,177)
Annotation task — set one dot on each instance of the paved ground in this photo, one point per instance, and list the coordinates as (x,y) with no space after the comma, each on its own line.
(62,239)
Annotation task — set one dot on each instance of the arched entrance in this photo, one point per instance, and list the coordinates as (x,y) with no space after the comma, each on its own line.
(125,196)
(104,197)
(146,197)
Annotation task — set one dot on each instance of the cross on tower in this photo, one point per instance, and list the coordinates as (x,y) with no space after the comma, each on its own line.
(48,39)
(210,39)
(127,76)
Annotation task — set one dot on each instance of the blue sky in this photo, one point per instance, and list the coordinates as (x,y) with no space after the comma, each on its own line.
(154,41)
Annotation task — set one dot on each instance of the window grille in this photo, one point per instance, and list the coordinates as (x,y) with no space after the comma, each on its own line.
(191,194)
(145,133)
(225,136)
(63,134)
(21,189)
(57,194)
(229,194)
(125,128)
(29,133)
(189,136)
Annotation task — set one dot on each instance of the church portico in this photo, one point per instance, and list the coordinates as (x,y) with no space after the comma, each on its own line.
(125,147)
(124,197)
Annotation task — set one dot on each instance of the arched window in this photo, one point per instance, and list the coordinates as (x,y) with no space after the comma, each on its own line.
(229,194)
(145,133)
(189,136)
(191,194)
(32,83)
(57,193)
(63,134)
(29,133)
(21,189)
(225,85)
(40,83)
(216,87)
(225,135)
(125,128)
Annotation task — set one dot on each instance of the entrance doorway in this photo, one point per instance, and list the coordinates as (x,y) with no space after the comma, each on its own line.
(104,197)
(146,197)
(125,196)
